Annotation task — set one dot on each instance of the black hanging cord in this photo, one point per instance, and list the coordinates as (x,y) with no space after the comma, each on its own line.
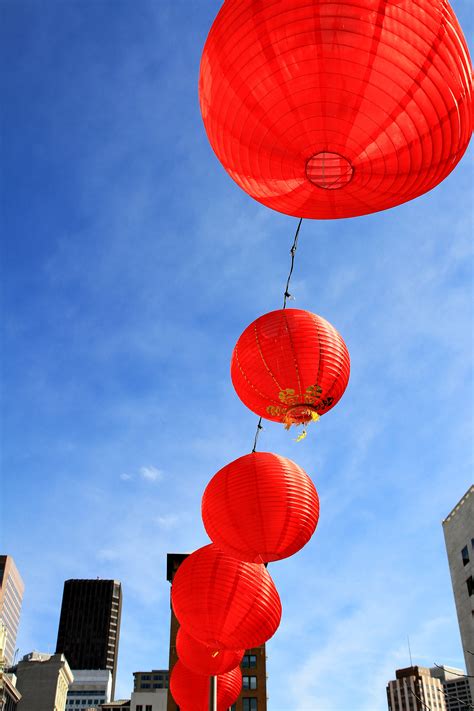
(286,296)
(259,427)
(292,252)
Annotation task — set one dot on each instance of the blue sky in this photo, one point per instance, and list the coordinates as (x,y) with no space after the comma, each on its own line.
(130,265)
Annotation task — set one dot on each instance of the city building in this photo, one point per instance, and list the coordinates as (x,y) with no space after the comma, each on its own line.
(9,694)
(90,688)
(151,700)
(89,625)
(43,681)
(10,697)
(11,596)
(254,663)
(457,694)
(415,689)
(118,705)
(458,529)
(149,680)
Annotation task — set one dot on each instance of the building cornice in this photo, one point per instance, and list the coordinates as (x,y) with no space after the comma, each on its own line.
(460,503)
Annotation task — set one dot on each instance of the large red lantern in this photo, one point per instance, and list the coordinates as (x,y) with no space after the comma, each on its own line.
(326,109)
(202,659)
(261,507)
(223,602)
(290,366)
(191,691)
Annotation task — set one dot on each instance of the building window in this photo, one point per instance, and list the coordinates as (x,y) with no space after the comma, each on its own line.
(465,555)
(148,708)
(139,707)
(249,660)
(470,586)
(249,704)
(249,682)
(145,686)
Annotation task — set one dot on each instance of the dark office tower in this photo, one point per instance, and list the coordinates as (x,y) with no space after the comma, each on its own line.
(89,626)
(253,696)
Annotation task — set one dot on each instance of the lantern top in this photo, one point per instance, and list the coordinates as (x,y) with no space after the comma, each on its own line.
(330,109)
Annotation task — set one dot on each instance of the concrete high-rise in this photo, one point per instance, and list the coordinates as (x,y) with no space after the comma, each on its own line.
(11,596)
(458,529)
(253,696)
(438,689)
(89,626)
(43,681)
(415,689)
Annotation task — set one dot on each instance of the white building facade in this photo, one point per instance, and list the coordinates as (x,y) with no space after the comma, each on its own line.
(90,689)
(155,700)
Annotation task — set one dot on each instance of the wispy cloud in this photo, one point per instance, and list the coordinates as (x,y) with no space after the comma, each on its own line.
(151,473)
(167,521)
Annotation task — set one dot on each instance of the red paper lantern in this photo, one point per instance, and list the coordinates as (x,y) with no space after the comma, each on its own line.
(223,602)
(290,366)
(191,691)
(261,507)
(202,659)
(327,109)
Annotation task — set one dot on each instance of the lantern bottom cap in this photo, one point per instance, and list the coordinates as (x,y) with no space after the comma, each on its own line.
(329,170)
(300,415)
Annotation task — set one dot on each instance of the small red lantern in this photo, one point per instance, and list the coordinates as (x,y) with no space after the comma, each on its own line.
(223,602)
(201,659)
(327,109)
(290,366)
(261,507)
(191,691)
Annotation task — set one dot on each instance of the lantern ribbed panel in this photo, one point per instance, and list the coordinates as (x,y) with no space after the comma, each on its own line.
(327,109)
(223,602)
(260,508)
(191,691)
(201,659)
(288,359)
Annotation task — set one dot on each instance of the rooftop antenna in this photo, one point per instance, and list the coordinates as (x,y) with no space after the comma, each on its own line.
(409,651)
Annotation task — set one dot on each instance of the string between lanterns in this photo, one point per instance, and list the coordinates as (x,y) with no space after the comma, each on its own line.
(259,427)
(286,296)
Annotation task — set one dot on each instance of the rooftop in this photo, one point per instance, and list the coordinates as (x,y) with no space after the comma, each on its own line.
(460,503)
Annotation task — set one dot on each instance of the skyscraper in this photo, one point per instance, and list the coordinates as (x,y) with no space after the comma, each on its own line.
(11,596)
(253,696)
(415,689)
(436,689)
(89,626)
(458,529)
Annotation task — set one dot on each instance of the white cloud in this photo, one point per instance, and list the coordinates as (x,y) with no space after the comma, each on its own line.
(167,521)
(151,473)
(125,477)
